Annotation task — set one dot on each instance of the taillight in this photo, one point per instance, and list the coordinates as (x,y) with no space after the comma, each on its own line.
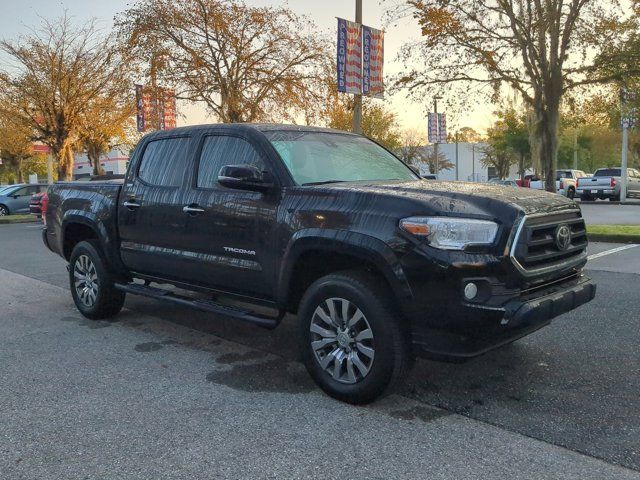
(578,182)
(613,182)
(561,185)
(44,203)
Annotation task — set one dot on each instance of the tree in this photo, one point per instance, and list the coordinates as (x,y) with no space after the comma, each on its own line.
(245,63)
(507,142)
(541,49)
(415,152)
(465,135)
(516,134)
(15,142)
(378,123)
(61,72)
(412,151)
(107,124)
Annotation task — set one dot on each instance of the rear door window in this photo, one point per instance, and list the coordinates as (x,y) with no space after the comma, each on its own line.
(607,172)
(164,162)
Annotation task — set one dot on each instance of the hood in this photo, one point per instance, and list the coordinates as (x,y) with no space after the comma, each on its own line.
(465,197)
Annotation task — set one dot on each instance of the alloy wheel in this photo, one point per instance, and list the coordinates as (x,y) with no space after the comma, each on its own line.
(342,340)
(85,280)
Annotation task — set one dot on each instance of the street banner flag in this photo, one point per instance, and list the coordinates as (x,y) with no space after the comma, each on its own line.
(155,112)
(433,128)
(349,57)
(437,127)
(628,108)
(442,128)
(373,60)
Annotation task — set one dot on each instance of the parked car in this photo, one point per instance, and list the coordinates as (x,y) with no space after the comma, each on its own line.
(506,183)
(37,203)
(15,199)
(377,264)
(566,181)
(605,183)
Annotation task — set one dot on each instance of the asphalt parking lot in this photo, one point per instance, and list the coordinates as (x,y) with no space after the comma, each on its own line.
(164,392)
(605,213)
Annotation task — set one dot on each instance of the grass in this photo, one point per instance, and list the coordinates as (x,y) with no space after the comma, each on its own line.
(18,219)
(614,233)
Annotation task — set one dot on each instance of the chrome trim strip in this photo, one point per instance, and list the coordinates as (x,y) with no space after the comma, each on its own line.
(548,268)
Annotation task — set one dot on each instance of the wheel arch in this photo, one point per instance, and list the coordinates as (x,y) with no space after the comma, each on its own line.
(313,253)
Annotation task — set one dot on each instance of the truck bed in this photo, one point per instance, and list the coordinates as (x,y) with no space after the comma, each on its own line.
(91,203)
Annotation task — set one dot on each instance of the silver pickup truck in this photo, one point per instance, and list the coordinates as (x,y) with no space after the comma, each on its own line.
(605,183)
(566,181)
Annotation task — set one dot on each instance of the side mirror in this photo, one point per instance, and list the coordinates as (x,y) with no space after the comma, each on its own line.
(244,177)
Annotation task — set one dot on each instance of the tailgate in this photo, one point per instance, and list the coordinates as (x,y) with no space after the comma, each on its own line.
(587,183)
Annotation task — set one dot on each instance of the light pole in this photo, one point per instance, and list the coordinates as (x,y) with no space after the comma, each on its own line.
(357,99)
(435,146)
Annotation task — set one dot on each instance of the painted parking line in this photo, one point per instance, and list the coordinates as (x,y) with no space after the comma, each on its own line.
(613,250)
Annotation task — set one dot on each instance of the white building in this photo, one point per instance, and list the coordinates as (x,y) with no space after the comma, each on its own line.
(113,163)
(467,160)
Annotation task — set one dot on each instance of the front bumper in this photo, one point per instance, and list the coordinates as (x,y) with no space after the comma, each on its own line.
(519,313)
(498,326)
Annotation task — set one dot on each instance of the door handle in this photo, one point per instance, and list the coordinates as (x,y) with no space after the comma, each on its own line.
(131,205)
(192,210)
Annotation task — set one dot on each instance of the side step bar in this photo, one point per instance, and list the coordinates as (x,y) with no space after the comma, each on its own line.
(265,321)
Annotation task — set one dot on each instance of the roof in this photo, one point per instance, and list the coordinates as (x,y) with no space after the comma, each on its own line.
(262,127)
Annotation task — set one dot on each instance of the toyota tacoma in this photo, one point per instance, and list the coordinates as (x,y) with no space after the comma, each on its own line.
(378,265)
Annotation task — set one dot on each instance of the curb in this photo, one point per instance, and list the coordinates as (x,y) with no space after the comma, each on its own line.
(10,221)
(613,238)
(592,202)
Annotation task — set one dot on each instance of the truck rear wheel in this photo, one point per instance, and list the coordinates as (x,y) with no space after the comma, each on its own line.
(92,283)
(353,342)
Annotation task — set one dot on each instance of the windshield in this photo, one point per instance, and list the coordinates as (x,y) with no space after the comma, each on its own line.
(319,157)
(6,189)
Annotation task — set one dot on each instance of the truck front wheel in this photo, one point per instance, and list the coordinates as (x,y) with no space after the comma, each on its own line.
(353,341)
(92,283)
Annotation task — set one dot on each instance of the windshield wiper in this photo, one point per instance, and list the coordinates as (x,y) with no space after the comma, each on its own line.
(322,183)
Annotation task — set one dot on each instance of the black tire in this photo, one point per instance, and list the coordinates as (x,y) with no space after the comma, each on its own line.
(4,211)
(586,198)
(389,342)
(571,193)
(614,199)
(106,302)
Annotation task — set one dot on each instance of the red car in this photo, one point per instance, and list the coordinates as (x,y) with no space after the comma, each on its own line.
(38,204)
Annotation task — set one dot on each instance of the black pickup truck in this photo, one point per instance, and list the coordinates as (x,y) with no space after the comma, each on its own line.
(378,265)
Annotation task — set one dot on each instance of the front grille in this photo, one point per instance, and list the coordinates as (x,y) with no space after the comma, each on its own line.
(536,246)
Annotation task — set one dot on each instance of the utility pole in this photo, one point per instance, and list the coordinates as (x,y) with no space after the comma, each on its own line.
(50,168)
(357,99)
(575,148)
(457,131)
(435,145)
(623,172)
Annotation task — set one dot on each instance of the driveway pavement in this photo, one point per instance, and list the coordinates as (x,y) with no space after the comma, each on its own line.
(166,392)
(610,214)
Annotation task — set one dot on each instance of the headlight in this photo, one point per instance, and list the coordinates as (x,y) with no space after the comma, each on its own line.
(451,233)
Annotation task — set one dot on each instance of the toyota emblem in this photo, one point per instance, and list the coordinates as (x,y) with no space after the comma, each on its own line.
(563,237)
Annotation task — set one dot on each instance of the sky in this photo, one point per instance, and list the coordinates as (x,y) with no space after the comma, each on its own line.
(19,16)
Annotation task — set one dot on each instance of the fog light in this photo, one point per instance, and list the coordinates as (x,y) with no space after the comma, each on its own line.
(470,291)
